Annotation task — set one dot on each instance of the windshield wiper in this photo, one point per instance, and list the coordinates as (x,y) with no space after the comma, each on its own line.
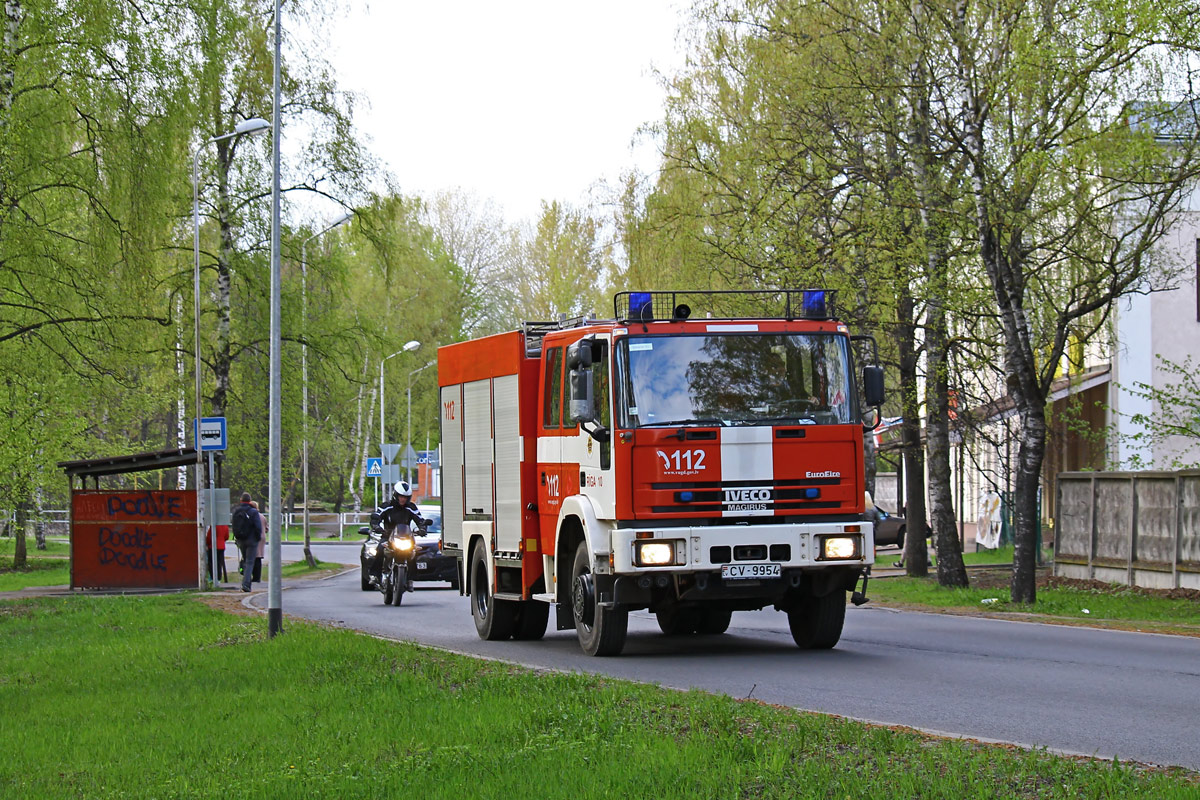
(720,423)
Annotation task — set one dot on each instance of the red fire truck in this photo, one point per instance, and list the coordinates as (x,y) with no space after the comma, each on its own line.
(692,464)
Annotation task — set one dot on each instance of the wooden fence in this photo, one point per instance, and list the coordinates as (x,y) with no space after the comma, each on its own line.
(1132,528)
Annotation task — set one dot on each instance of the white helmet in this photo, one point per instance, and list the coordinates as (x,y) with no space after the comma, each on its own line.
(401,489)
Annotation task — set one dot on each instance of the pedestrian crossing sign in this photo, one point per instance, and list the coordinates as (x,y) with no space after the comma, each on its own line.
(374,467)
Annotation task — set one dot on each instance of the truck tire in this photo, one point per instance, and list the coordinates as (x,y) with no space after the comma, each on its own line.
(494,619)
(532,617)
(603,634)
(817,623)
(677,620)
(713,621)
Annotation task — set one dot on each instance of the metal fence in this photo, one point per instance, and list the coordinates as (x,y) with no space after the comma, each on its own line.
(1132,528)
(321,523)
(328,524)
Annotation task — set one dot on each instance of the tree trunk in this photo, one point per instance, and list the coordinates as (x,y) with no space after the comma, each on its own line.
(341,492)
(870,461)
(916,557)
(222,357)
(354,464)
(366,449)
(39,524)
(1030,454)
(8,76)
(950,568)
(20,556)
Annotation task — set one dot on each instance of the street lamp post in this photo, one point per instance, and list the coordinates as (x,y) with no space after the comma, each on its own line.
(304,364)
(408,417)
(246,126)
(409,346)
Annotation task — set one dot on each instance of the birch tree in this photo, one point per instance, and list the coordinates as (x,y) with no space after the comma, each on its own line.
(1078,124)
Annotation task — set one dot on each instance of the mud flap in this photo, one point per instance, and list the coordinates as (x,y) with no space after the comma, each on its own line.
(857,597)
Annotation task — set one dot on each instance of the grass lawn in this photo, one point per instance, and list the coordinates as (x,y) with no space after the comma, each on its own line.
(57,572)
(295,533)
(1001,555)
(39,572)
(165,697)
(990,592)
(54,547)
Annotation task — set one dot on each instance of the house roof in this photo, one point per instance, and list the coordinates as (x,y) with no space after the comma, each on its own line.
(1061,388)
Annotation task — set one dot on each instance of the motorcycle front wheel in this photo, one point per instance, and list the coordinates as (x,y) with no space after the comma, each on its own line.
(388,586)
(399,582)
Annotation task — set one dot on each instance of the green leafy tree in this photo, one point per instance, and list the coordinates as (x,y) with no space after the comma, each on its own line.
(563,265)
(93,126)
(1174,426)
(1078,154)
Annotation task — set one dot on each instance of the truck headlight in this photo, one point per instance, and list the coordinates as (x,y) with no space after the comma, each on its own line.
(840,548)
(654,553)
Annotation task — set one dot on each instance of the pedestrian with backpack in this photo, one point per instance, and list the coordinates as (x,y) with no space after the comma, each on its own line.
(247,526)
(262,545)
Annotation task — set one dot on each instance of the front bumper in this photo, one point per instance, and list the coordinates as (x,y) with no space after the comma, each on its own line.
(707,548)
(700,553)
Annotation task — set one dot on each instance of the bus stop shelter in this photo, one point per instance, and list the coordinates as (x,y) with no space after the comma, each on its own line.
(134,538)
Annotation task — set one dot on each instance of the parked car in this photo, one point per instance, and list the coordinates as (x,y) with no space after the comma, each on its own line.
(367,555)
(890,529)
(432,563)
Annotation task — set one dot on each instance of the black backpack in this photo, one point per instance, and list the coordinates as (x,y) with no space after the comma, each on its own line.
(244,528)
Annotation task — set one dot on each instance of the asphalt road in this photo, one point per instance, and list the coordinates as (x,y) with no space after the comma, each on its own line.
(1075,690)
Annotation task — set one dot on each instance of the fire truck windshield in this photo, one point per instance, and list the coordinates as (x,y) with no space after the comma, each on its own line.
(733,379)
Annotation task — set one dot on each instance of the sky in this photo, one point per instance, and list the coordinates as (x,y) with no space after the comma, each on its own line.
(517,101)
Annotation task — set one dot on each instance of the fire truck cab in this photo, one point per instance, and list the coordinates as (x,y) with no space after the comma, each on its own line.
(690,466)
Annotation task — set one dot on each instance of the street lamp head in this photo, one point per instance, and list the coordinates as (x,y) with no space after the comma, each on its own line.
(251,126)
(413,345)
(342,219)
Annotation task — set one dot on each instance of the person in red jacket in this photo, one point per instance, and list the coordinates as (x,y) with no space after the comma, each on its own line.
(222,538)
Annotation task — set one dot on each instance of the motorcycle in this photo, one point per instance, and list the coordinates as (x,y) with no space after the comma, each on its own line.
(399,557)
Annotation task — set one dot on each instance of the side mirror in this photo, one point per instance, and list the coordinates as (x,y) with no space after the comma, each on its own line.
(873,386)
(579,355)
(583,404)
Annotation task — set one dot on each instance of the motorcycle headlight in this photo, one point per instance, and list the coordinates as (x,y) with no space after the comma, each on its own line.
(402,544)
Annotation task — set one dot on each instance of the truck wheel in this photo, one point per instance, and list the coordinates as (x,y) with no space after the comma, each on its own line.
(601,630)
(817,623)
(713,621)
(494,619)
(532,617)
(676,620)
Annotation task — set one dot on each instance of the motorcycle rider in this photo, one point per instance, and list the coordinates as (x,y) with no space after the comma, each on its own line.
(400,511)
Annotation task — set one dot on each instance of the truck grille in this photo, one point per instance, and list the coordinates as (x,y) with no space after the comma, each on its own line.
(724,554)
